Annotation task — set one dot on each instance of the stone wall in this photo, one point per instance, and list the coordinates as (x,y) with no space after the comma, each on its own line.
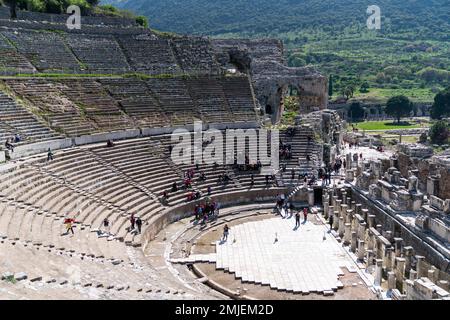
(156,224)
(264,60)
(398,229)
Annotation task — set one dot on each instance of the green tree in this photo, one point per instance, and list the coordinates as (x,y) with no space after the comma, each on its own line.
(356,111)
(441,105)
(439,132)
(142,21)
(330,86)
(364,87)
(398,107)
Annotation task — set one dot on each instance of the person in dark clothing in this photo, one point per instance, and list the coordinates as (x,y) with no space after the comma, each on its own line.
(331,221)
(110,143)
(9,145)
(106,224)
(297,220)
(132,221)
(226,231)
(252,181)
(49,154)
(139,224)
(174,187)
(292,174)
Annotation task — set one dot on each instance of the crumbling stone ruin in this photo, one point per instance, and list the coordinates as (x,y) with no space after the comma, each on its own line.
(264,61)
(409,188)
(406,263)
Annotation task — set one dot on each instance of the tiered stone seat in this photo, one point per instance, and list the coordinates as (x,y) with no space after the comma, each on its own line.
(195,55)
(147,54)
(141,162)
(95,177)
(136,100)
(209,97)
(244,177)
(212,174)
(11,61)
(175,100)
(32,241)
(61,113)
(300,149)
(240,99)
(98,54)
(87,20)
(46,50)
(16,119)
(96,103)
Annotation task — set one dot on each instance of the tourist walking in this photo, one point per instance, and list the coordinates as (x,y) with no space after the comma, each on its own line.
(217,208)
(69,225)
(305,214)
(139,224)
(331,221)
(226,230)
(49,154)
(132,221)
(297,220)
(9,145)
(106,225)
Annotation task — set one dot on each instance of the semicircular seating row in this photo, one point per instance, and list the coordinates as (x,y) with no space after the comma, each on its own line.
(94,182)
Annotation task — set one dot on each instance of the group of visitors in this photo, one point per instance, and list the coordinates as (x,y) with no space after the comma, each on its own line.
(285,150)
(9,142)
(288,206)
(135,222)
(206,211)
(249,166)
(297,217)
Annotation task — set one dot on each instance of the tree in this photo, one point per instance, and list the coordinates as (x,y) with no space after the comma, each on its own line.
(356,111)
(348,91)
(12,8)
(142,21)
(398,106)
(439,132)
(441,105)
(364,87)
(330,86)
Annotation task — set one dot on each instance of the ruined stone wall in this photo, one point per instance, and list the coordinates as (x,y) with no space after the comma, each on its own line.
(410,237)
(264,61)
(425,168)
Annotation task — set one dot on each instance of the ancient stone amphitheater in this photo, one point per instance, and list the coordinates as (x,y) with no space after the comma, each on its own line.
(123,83)
(71,91)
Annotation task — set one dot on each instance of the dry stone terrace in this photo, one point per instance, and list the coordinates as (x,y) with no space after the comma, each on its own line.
(76,107)
(90,184)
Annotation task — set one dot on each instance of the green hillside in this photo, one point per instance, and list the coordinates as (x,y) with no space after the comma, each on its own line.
(411,51)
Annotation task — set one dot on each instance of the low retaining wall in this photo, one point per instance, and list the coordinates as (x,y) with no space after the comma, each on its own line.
(103,137)
(38,147)
(42,147)
(160,221)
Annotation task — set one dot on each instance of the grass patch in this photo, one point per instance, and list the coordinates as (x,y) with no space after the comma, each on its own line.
(10,279)
(386,125)
(379,95)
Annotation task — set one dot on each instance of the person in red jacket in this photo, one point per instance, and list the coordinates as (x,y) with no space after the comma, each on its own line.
(305,214)
(69,225)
